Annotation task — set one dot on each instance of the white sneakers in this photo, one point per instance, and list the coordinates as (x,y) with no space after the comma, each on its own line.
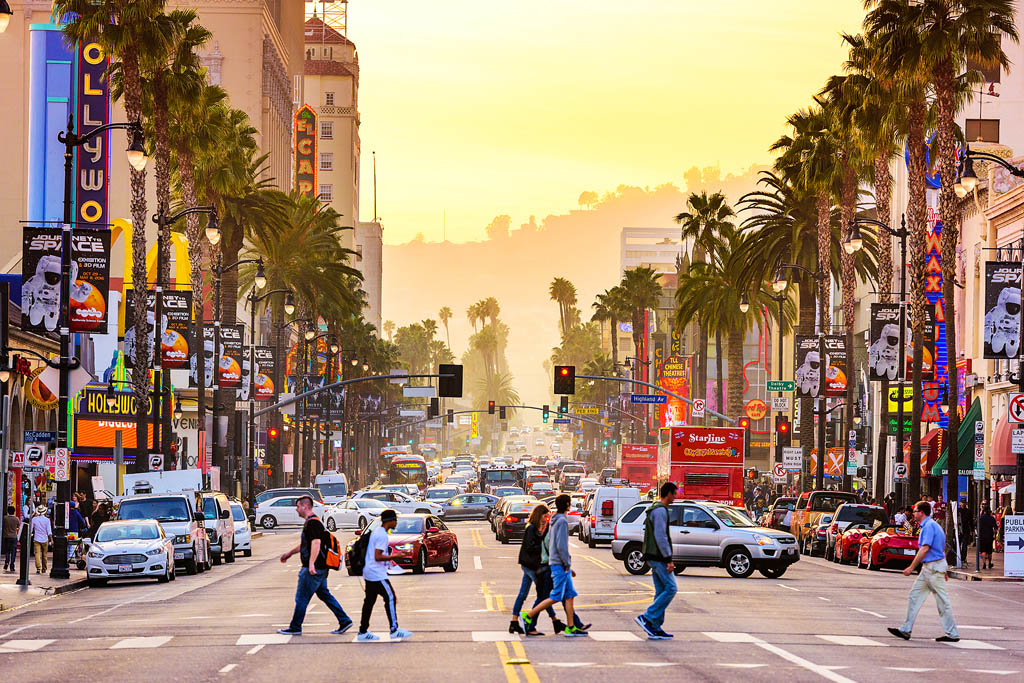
(397,634)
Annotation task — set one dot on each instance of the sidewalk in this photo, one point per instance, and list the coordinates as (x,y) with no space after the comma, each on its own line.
(970,572)
(13,595)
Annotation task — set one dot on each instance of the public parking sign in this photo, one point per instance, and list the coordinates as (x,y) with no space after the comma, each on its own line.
(1013,552)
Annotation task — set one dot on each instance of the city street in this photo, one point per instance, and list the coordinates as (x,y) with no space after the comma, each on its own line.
(819,621)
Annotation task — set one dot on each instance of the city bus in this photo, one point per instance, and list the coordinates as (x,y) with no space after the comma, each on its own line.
(407,468)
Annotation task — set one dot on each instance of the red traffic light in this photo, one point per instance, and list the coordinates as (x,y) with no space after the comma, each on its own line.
(565,372)
(272,432)
(744,422)
(783,427)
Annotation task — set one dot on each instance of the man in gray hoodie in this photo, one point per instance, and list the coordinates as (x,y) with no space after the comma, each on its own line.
(562,572)
(658,553)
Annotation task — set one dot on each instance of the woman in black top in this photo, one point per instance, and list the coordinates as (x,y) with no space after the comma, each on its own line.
(986,536)
(532,563)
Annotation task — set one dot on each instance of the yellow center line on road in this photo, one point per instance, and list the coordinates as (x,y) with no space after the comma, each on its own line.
(643,585)
(499,603)
(524,663)
(488,599)
(478,541)
(599,563)
(510,671)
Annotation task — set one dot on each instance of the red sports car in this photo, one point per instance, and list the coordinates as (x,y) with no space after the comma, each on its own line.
(847,549)
(420,541)
(888,546)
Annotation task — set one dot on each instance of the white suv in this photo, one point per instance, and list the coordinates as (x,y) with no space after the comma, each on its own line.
(400,502)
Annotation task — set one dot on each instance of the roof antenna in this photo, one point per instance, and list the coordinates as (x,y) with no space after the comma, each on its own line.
(375,216)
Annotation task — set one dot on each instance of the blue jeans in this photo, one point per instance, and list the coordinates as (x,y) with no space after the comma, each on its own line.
(310,585)
(664,591)
(530,578)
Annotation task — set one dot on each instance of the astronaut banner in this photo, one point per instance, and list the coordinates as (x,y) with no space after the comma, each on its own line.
(41,276)
(1002,309)
(265,372)
(808,366)
(230,368)
(836,372)
(176,337)
(207,347)
(884,346)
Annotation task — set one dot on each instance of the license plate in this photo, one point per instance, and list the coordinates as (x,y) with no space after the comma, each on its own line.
(790,551)
(179,556)
(124,569)
(909,551)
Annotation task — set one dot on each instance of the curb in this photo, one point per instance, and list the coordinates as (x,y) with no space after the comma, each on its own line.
(972,576)
(70,586)
(256,534)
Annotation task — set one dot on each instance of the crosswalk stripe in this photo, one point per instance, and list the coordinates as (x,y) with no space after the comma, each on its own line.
(974,645)
(262,639)
(609,636)
(141,642)
(910,669)
(23,645)
(996,672)
(728,637)
(494,636)
(858,641)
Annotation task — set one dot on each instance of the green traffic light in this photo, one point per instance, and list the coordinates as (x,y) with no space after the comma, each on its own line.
(389,443)
(410,442)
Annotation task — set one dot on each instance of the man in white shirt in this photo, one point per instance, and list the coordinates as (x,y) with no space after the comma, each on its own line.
(42,537)
(375,578)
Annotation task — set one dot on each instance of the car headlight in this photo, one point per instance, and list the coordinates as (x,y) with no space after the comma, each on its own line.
(404,546)
(155,551)
(183,538)
(95,553)
(763,540)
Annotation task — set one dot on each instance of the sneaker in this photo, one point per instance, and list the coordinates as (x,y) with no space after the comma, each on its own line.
(367,637)
(645,625)
(899,634)
(664,635)
(527,623)
(401,634)
(947,639)
(342,628)
(573,632)
(289,631)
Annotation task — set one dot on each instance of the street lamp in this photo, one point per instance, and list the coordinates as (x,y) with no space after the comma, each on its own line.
(853,242)
(5,15)
(744,303)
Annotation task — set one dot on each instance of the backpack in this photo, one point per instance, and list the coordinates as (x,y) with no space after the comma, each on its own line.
(357,554)
(330,549)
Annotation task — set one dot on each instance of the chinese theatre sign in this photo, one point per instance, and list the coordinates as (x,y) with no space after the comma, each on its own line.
(305,151)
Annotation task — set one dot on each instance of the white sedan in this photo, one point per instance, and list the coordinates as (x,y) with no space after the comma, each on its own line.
(130,549)
(399,502)
(281,510)
(355,513)
(243,534)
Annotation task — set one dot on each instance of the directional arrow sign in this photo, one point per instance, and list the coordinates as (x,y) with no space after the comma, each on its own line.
(1017,543)
(648,398)
(781,385)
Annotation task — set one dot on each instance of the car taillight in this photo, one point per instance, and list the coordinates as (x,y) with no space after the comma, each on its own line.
(593,522)
(509,519)
(821,532)
(615,532)
(834,529)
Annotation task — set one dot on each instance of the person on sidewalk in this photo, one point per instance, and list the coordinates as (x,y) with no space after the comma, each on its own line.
(562,573)
(530,561)
(11,526)
(657,549)
(375,580)
(986,536)
(931,555)
(312,550)
(42,537)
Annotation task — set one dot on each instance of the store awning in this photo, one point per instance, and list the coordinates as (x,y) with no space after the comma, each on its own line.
(932,444)
(1002,460)
(965,443)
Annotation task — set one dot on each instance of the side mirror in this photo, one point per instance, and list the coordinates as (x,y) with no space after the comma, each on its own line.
(225,514)
(433,530)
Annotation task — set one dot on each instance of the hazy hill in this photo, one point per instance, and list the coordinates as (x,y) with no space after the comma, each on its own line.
(515,265)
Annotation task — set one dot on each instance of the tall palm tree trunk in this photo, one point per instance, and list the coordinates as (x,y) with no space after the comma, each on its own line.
(615,342)
(847,207)
(720,378)
(805,325)
(882,182)
(196,269)
(917,218)
(162,172)
(735,400)
(702,366)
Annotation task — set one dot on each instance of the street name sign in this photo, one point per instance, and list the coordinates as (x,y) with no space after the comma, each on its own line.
(648,398)
(561,421)
(781,385)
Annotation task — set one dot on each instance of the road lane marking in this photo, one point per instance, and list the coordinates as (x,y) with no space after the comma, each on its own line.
(788,587)
(257,615)
(198,617)
(488,599)
(874,614)
(599,563)
(254,650)
(823,671)
(510,672)
(857,641)
(227,668)
(110,609)
(741,665)
(499,604)
(23,645)
(997,672)
(981,628)
(141,642)
(428,611)
(523,661)
(262,639)
(650,664)
(825,599)
(909,669)
(12,632)
(612,636)
(974,645)
(566,665)
(476,562)
(573,545)
(494,636)
(644,601)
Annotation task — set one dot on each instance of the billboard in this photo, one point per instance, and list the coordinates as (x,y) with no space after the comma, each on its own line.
(266,370)
(676,377)
(92,159)
(1002,309)
(639,465)
(97,424)
(884,343)
(707,446)
(305,151)
(808,366)
(836,374)
(229,369)
(41,279)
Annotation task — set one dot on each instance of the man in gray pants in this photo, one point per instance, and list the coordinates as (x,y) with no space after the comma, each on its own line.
(658,553)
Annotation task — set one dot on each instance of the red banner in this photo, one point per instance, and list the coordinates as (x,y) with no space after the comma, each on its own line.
(707,446)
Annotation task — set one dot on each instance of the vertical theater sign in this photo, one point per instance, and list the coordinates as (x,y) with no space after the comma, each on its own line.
(305,151)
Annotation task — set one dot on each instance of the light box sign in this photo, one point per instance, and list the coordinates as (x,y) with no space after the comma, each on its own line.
(97,424)
(305,151)
(92,160)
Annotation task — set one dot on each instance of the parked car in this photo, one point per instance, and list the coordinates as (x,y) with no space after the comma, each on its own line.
(243,532)
(512,522)
(776,515)
(181,517)
(887,547)
(220,527)
(709,535)
(600,510)
(313,493)
(847,546)
(281,511)
(400,502)
(820,536)
(850,514)
(356,513)
(469,506)
(811,505)
(130,549)
(421,541)
(439,494)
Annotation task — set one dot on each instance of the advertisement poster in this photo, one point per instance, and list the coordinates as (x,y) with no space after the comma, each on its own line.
(176,337)
(1002,309)
(229,369)
(835,355)
(884,343)
(41,278)
(707,446)
(207,357)
(265,372)
(808,366)
(928,348)
(675,377)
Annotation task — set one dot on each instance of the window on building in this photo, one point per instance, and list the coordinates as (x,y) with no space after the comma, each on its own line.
(326,193)
(328,98)
(982,130)
(326,161)
(327,130)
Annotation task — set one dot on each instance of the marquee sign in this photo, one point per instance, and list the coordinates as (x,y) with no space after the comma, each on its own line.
(92,160)
(305,151)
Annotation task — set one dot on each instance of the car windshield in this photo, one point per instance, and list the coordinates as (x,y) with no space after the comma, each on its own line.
(334,489)
(859,515)
(440,494)
(457,480)
(520,507)
(730,517)
(121,532)
(160,509)
(369,503)
(409,525)
(237,513)
(830,501)
(508,491)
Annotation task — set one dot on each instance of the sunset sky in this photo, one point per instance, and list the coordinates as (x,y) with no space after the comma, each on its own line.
(480,108)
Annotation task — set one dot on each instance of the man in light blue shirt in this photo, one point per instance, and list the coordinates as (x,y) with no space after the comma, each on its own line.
(931,548)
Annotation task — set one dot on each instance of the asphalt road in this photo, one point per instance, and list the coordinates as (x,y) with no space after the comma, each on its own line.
(818,622)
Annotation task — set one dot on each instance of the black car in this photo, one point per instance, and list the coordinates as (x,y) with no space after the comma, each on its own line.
(512,524)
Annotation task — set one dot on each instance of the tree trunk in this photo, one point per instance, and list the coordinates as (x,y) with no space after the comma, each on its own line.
(615,343)
(805,325)
(163,199)
(229,458)
(847,207)
(918,228)
(720,379)
(702,367)
(196,270)
(824,251)
(882,182)
(735,402)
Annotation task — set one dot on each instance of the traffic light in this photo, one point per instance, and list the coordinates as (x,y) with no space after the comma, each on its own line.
(435,407)
(604,443)
(451,416)
(490,407)
(449,387)
(545,411)
(273,443)
(745,423)
(501,412)
(565,379)
(783,431)
(563,405)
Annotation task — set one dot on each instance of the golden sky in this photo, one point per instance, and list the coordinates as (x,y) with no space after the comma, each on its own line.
(479,107)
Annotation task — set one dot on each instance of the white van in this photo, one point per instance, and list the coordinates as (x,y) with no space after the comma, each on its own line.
(333,485)
(604,506)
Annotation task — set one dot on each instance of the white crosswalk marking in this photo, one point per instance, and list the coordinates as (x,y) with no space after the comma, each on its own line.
(650,664)
(494,636)
(995,672)
(23,645)
(609,636)
(262,639)
(141,642)
(742,666)
(974,645)
(384,638)
(726,637)
(858,641)
(909,669)
(476,562)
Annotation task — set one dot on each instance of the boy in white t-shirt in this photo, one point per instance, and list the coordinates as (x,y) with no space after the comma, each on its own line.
(375,578)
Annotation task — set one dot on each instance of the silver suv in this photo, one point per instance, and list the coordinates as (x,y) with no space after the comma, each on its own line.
(709,535)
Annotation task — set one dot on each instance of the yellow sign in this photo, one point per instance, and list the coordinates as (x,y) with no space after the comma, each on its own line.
(756,409)
(474,432)
(894,398)
(585,411)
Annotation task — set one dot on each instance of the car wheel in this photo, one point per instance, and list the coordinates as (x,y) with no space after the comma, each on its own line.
(871,565)
(591,543)
(362,522)
(247,553)
(860,560)
(174,572)
(738,563)
(331,524)
(191,566)
(830,556)
(96,583)
(268,522)
(229,557)
(453,562)
(772,572)
(421,563)
(634,560)
(165,578)
(504,539)
(216,558)
(680,568)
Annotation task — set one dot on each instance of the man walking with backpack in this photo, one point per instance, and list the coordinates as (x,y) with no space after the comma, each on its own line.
(375,578)
(312,549)
(658,553)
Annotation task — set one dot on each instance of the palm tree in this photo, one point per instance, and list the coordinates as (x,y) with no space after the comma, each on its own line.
(640,292)
(389,328)
(491,309)
(563,293)
(444,315)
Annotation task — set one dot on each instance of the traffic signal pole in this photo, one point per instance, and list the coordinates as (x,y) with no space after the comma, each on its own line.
(684,399)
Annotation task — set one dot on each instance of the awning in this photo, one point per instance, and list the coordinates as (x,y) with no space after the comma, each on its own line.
(965,444)
(1002,460)
(932,444)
